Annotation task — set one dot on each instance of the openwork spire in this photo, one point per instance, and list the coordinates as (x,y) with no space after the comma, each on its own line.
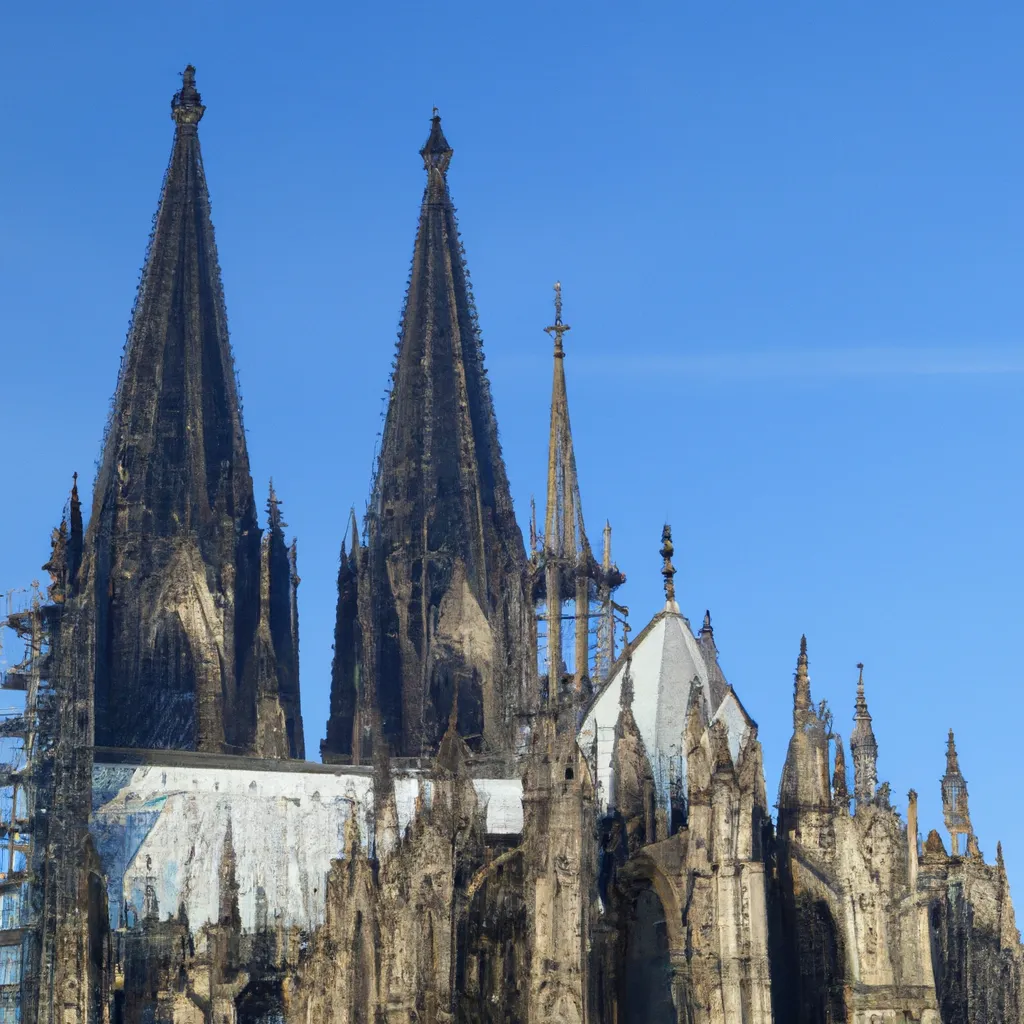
(863,747)
(173,546)
(564,568)
(440,521)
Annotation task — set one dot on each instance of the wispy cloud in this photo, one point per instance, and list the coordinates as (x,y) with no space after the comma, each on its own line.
(704,361)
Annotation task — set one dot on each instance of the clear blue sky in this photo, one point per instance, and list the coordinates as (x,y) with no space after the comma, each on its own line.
(790,239)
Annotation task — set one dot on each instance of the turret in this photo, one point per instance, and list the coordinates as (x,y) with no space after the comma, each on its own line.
(954,799)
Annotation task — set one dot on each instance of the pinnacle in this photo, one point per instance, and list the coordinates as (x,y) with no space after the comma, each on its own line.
(354,529)
(436,152)
(186,105)
(273,508)
(802,691)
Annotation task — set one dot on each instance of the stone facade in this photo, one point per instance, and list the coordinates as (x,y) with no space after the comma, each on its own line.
(505,829)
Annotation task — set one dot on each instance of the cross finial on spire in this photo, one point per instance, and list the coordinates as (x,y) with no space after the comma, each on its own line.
(557,329)
(668,570)
(186,105)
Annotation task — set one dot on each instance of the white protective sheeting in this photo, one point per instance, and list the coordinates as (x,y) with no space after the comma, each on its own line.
(161,832)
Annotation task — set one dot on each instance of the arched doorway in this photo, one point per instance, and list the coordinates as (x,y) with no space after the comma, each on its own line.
(645,985)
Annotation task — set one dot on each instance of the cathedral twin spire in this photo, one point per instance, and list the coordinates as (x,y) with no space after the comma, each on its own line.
(171,573)
(438,602)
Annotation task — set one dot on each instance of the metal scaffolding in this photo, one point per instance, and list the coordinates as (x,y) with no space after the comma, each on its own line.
(24,744)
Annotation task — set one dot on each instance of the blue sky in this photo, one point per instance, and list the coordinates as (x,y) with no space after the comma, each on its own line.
(790,241)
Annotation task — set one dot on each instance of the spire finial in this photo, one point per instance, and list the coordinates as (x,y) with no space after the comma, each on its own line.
(557,329)
(668,570)
(706,628)
(862,703)
(802,692)
(186,105)
(436,152)
(863,747)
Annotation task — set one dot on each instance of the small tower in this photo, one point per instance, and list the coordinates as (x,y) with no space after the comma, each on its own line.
(954,799)
(863,748)
(563,565)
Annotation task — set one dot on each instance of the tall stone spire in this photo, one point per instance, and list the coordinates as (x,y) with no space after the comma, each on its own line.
(564,569)
(171,561)
(445,604)
(954,798)
(863,748)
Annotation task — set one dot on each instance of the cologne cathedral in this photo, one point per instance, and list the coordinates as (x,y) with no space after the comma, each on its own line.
(522,812)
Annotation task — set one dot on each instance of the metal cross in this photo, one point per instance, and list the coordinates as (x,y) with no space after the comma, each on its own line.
(557,329)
